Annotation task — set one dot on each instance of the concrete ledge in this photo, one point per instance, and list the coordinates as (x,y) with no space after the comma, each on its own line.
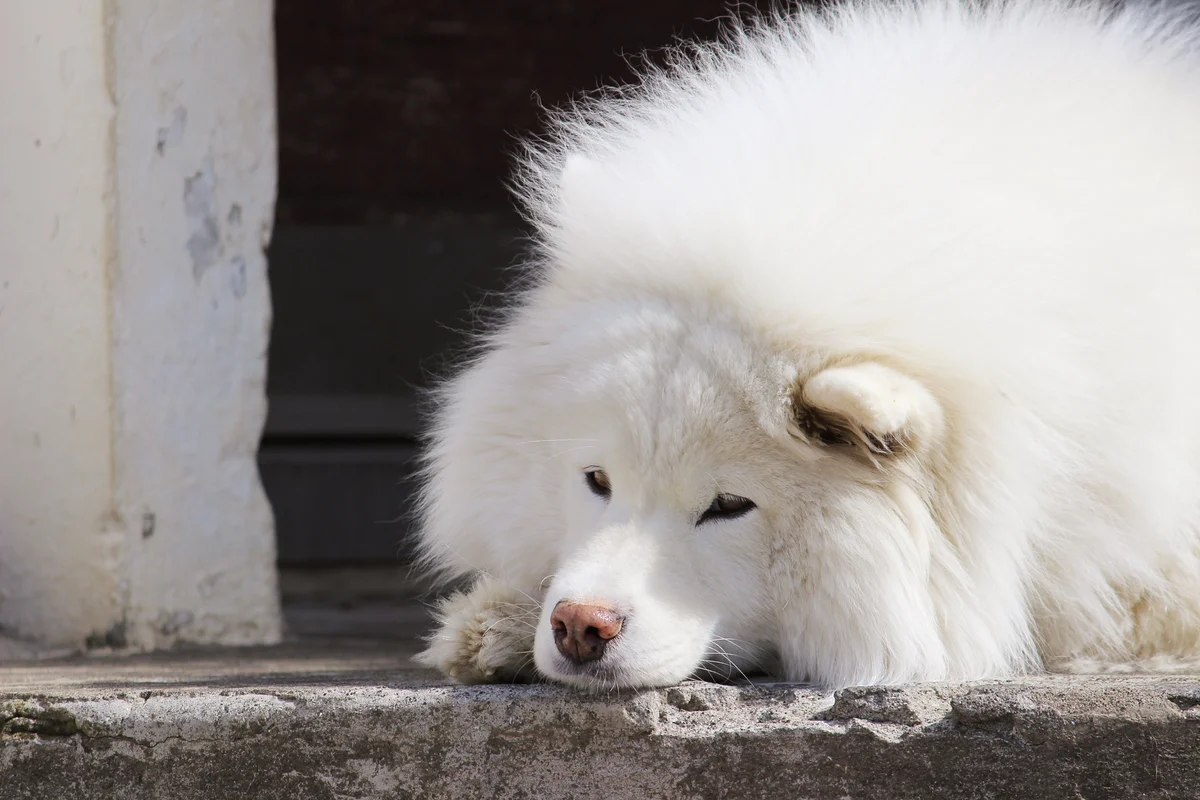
(351,721)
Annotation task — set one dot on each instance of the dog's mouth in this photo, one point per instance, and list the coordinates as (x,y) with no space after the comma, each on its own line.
(603,646)
(605,677)
(592,676)
(614,671)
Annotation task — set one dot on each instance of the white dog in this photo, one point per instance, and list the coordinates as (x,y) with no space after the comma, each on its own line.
(861,347)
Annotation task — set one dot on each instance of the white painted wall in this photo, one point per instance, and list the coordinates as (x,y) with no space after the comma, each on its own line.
(58,544)
(136,190)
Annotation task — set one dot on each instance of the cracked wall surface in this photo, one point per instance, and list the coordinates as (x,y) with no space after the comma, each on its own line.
(196,179)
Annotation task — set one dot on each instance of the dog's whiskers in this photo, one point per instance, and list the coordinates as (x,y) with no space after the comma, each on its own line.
(562,453)
(725,659)
(556,441)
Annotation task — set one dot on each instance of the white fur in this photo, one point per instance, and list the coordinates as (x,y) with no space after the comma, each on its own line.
(967,237)
(484,635)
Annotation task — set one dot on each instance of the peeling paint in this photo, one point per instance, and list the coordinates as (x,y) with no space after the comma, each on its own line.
(200,205)
(210,584)
(176,622)
(114,638)
(239,277)
(172,134)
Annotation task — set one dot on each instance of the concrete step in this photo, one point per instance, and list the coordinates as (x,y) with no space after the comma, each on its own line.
(352,719)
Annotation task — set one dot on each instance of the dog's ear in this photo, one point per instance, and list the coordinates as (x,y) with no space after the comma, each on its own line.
(868,405)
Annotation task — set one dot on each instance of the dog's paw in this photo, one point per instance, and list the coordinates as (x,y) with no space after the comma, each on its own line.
(484,636)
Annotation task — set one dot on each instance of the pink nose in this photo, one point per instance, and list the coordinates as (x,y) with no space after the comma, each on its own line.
(583,630)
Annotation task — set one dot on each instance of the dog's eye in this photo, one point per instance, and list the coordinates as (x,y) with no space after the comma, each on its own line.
(726,506)
(597,481)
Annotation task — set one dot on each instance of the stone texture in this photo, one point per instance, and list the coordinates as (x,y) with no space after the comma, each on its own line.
(352,720)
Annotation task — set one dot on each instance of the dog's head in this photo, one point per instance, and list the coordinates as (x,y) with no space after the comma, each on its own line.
(691,500)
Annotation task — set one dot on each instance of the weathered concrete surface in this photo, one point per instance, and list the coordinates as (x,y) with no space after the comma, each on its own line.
(351,720)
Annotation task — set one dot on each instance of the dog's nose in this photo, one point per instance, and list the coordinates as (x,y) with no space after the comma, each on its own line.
(583,630)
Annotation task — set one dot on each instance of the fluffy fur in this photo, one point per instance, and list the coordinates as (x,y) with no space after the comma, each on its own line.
(921,281)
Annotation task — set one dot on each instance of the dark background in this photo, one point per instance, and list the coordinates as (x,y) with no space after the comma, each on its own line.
(397,121)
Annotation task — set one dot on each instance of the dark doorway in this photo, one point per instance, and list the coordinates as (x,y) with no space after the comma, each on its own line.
(397,122)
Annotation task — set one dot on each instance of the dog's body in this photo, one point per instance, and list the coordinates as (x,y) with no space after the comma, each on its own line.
(865,347)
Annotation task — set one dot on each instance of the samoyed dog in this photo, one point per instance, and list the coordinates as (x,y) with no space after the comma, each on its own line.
(862,346)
